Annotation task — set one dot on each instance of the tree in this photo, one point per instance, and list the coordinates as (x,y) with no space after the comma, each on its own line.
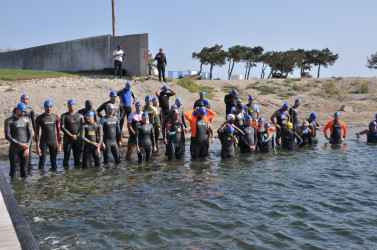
(251,57)
(234,55)
(216,57)
(203,58)
(323,58)
(372,61)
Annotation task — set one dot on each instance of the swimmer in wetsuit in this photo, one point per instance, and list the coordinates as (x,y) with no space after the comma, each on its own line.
(199,130)
(336,126)
(266,138)
(159,112)
(175,138)
(228,140)
(118,108)
(154,117)
(313,125)
(260,126)
(163,94)
(49,124)
(305,133)
(211,135)
(125,98)
(288,137)
(134,120)
(294,114)
(112,135)
(145,140)
(181,113)
(371,133)
(229,100)
(91,135)
(70,124)
(252,109)
(18,132)
(199,102)
(281,116)
(248,142)
(88,107)
(30,113)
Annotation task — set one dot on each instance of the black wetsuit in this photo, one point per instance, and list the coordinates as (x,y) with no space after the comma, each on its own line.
(372,136)
(71,125)
(125,98)
(156,132)
(198,103)
(336,136)
(30,113)
(118,109)
(305,137)
(163,99)
(313,138)
(145,140)
(91,133)
(50,126)
(288,138)
(18,130)
(249,139)
(294,117)
(279,121)
(263,145)
(84,111)
(175,138)
(111,137)
(154,119)
(199,143)
(227,143)
(229,100)
(240,119)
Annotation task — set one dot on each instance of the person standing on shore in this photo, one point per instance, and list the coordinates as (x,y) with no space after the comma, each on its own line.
(17,130)
(125,99)
(335,127)
(50,137)
(163,95)
(118,55)
(161,64)
(70,124)
(30,113)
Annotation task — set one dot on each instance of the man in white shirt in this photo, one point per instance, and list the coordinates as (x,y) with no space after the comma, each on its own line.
(118,56)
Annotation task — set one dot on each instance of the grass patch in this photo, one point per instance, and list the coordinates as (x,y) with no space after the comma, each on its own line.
(229,88)
(330,87)
(288,80)
(300,87)
(53,86)
(193,87)
(63,86)
(271,81)
(252,86)
(266,90)
(99,86)
(362,88)
(337,78)
(9,90)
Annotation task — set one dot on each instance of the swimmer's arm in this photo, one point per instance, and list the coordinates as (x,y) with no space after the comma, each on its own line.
(99,110)
(344,129)
(325,129)
(273,118)
(130,129)
(82,135)
(8,135)
(100,135)
(211,115)
(29,132)
(298,138)
(153,137)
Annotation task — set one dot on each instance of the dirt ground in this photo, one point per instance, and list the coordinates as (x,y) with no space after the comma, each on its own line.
(323,96)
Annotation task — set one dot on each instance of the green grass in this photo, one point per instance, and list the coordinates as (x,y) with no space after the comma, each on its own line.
(21,74)
(266,90)
(229,88)
(193,87)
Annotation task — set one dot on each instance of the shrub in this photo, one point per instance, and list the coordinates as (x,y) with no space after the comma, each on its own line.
(330,87)
(193,87)
(362,88)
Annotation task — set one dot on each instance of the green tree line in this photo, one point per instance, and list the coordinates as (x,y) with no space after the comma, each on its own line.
(283,62)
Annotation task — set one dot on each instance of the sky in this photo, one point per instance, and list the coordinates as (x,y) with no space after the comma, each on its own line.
(346,27)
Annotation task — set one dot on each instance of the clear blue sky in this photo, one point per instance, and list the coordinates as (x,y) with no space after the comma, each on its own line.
(182,27)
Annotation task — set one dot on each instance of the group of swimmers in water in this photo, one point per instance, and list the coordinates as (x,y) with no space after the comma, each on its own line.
(87,132)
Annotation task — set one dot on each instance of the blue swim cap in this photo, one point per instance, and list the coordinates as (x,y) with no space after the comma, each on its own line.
(202,111)
(71,101)
(138,103)
(372,123)
(337,113)
(148,98)
(128,85)
(21,106)
(144,115)
(251,98)
(248,117)
(285,106)
(206,102)
(178,101)
(232,109)
(267,124)
(261,119)
(165,88)
(234,92)
(90,113)
(24,96)
(313,115)
(174,106)
(154,99)
(203,93)
(47,103)
(238,101)
(113,93)
(229,129)
(298,101)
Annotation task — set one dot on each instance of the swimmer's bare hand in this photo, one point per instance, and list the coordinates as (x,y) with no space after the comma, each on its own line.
(252,148)
(212,140)
(138,150)
(24,146)
(60,148)
(26,152)
(154,149)
(95,144)
(39,152)
(166,142)
(74,137)
(186,130)
(97,153)
(103,146)
(120,143)
(358,135)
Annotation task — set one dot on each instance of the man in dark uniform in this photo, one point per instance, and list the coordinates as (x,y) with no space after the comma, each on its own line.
(70,124)
(161,64)
(17,130)
(229,100)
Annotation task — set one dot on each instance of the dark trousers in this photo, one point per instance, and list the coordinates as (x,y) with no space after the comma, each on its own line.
(53,149)
(17,160)
(118,66)
(145,154)
(111,148)
(156,135)
(161,71)
(126,113)
(89,151)
(75,146)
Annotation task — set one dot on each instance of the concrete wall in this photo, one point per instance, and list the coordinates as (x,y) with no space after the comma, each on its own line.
(93,53)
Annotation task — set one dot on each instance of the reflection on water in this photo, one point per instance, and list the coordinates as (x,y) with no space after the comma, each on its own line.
(321,196)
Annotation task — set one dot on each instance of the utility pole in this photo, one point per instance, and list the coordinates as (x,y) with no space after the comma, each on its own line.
(112,6)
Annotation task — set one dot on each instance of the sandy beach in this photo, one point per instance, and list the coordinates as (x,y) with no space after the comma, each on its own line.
(312,92)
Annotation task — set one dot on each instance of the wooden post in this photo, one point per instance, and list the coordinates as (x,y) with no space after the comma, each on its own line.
(112,6)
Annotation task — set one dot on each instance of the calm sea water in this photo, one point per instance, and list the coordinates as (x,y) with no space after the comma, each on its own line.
(320,197)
